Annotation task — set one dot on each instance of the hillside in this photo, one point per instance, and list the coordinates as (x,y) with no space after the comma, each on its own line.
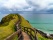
(7,26)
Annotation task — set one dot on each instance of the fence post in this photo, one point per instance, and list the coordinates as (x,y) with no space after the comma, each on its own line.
(27,30)
(30,34)
(24,29)
(35,35)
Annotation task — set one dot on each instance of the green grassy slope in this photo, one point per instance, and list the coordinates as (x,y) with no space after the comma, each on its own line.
(25,23)
(7,26)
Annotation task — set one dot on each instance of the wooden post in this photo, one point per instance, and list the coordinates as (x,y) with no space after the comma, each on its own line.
(30,34)
(24,29)
(35,35)
(27,30)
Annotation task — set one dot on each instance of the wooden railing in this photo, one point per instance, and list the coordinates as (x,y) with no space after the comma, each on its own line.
(31,32)
(19,33)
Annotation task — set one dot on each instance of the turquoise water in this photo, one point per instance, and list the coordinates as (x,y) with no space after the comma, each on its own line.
(43,22)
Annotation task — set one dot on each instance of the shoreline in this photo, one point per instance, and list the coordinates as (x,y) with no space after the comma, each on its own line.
(44,34)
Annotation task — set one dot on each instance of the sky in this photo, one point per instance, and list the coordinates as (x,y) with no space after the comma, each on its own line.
(36,6)
(28,8)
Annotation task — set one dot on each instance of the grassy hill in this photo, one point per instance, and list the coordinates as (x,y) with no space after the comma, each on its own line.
(7,26)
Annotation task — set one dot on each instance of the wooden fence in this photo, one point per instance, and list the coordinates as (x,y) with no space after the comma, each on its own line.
(31,32)
(18,33)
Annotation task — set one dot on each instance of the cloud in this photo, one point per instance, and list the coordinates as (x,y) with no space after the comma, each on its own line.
(41,4)
(26,5)
(14,4)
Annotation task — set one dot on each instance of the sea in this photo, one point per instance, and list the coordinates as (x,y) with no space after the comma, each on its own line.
(42,22)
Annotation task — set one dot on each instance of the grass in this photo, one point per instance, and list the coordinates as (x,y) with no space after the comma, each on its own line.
(5,31)
(25,23)
(8,27)
(40,37)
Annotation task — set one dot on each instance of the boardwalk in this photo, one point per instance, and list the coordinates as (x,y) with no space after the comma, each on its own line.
(25,36)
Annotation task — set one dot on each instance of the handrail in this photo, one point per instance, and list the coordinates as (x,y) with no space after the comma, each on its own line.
(18,31)
(44,34)
(15,33)
(31,32)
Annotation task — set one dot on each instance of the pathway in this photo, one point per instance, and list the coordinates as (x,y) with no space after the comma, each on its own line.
(25,36)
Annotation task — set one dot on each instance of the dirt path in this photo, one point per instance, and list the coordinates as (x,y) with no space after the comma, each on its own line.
(25,36)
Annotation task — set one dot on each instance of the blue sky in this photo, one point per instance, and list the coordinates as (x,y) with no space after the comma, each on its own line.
(36,6)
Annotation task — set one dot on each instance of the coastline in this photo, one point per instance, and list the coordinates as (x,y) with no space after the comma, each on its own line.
(50,36)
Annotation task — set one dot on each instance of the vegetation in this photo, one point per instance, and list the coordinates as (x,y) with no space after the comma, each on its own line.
(7,26)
